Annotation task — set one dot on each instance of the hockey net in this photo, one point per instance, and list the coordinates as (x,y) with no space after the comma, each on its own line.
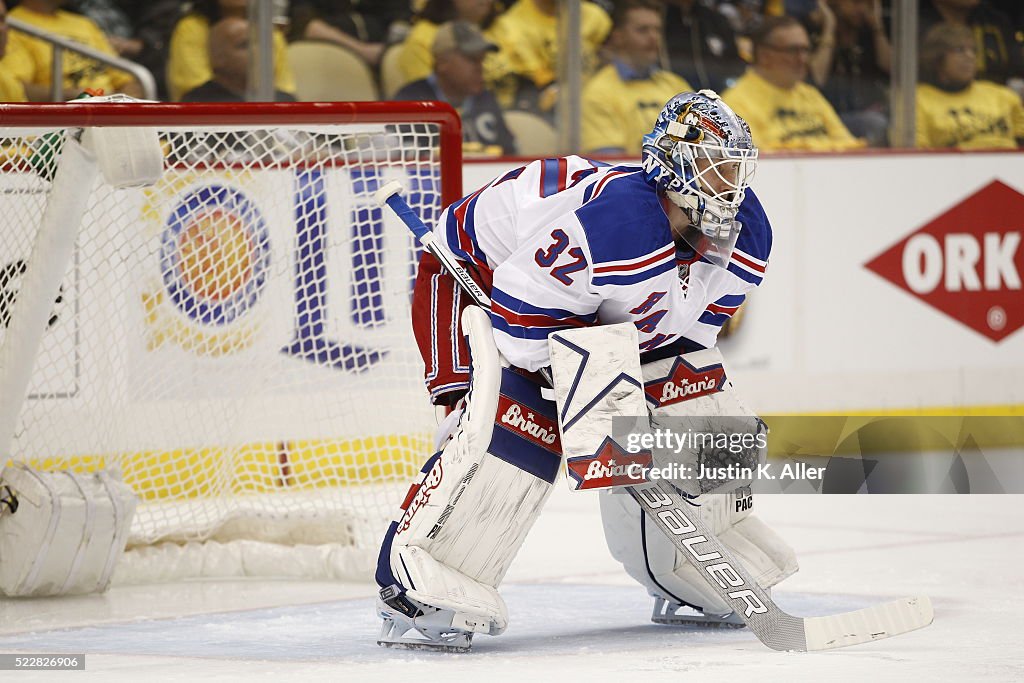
(234,339)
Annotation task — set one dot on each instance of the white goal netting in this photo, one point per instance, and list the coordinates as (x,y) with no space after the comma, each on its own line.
(236,338)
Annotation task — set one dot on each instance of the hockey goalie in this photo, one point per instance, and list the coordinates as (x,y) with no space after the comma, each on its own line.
(671,247)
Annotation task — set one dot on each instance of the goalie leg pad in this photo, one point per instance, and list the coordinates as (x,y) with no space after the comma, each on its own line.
(694,384)
(462,524)
(471,605)
(654,561)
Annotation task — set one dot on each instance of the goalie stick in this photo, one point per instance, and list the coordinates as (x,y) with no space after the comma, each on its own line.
(716,563)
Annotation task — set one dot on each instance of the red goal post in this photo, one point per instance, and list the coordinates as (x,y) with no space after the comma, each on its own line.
(234,339)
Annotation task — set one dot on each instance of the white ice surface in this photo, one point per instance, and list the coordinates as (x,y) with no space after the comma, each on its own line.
(576,617)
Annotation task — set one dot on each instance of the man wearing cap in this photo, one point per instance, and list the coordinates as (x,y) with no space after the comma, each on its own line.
(458,79)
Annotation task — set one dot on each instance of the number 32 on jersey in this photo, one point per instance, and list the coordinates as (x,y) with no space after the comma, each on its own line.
(546,258)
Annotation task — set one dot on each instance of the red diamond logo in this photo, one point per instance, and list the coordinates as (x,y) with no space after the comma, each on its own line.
(967,262)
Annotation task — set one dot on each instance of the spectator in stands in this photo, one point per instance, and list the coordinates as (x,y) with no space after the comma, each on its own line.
(783,111)
(416,58)
(820,23)
(622,100)
(188,66)
(362,26)
(528,32)
(953,108)
(744,16)
(30,59)
(702,45)
(855,73)
(113,21)
(458,78)
(11,89)
(228,47)
(819,20)
(139,30)
(228,50)
(998,45)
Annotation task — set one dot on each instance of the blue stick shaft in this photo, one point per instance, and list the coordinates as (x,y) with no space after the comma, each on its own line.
(412,221)
(408,216)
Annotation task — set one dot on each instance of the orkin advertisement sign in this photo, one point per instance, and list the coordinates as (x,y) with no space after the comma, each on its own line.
(967,262)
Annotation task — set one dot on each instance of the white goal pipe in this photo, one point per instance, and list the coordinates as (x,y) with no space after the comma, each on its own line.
(67,201)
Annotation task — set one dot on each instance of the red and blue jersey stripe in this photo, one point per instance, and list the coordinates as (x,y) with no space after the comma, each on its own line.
(721,310)
(460,230)
(523,320)
(553,176)
(635,270)
(747,267)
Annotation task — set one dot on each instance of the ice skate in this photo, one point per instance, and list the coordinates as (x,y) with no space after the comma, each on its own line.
(413,625)
(676,614)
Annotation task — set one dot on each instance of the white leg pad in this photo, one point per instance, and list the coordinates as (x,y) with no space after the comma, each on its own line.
(465,520)
(655,562)
(693,385)
(477,606)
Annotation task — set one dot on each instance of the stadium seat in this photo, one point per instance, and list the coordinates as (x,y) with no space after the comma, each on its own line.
(391,76)
(534,136)
(325,72)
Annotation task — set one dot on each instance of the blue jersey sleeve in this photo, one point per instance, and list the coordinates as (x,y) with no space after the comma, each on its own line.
(749,259)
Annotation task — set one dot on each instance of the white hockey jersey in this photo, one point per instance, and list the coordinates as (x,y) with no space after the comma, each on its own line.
(572,242)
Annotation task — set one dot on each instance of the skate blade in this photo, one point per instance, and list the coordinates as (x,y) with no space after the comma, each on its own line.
(424,645)
(697,620)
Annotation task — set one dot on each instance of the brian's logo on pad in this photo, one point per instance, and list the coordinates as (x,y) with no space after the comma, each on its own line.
(419,495)
(612,465)
(685,382)
(966,262)
(529,423)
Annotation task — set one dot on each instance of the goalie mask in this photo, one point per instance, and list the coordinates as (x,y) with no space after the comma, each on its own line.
(701,155)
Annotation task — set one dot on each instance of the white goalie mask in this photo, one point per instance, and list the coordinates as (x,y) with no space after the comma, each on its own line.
(701,155)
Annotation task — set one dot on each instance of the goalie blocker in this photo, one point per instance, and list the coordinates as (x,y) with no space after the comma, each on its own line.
(461,525)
